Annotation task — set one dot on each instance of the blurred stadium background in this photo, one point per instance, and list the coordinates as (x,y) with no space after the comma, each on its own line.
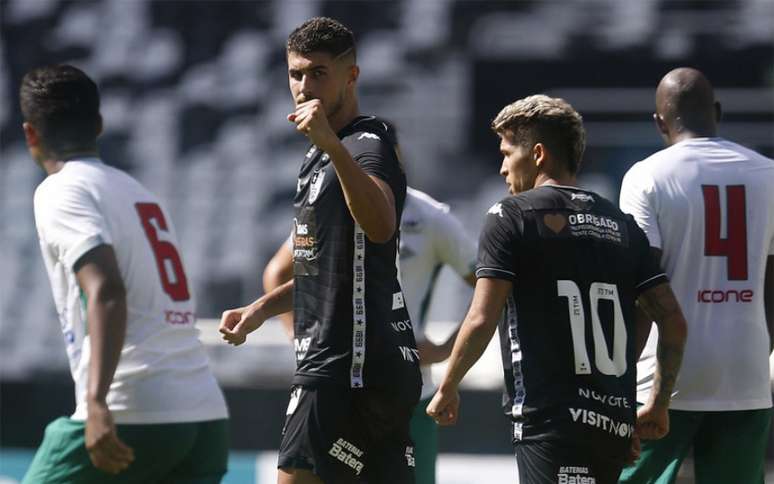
(194,97)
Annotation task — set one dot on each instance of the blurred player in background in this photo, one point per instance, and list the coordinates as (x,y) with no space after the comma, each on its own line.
(567,266)
(707,207)
(431,237)
(148,408)
(357,378)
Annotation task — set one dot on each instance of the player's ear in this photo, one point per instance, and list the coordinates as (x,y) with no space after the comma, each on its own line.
(31,135)
(353,74)
(661,125)
(539,154)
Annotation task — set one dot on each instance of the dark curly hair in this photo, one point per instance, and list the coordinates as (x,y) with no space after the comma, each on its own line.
(62,103)
(322,34)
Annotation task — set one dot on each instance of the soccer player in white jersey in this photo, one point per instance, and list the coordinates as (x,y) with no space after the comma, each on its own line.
(148,408)
(707,207)
(431,237)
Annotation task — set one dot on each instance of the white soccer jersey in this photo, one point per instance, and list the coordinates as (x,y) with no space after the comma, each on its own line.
(430,238)
(708,204)
(163,375)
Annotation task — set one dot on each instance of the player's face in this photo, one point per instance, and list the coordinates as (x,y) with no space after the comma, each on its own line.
(318,76)
(518,167)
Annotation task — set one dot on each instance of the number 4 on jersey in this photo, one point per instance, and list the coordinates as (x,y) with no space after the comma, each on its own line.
(734,246)
(165,253)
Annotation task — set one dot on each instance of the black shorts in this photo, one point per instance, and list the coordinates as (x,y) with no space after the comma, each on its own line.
(348,436)
(557,462)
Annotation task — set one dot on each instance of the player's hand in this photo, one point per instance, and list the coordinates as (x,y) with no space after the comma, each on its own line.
(311,120)
(236,324)
(635,449)
(444,407)
(652,422)
(106,451)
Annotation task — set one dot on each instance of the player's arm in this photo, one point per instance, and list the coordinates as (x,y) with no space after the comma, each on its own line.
(370,199)
(768,299)
(475,333)
(236,324)
(643,321)
(99,278)
(454,248)
(660,304)
(278,271)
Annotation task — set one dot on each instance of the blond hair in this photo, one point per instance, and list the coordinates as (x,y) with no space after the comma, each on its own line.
(548,120)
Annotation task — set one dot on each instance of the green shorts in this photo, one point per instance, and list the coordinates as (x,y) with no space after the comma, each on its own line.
(728,447)
(179,453)
(424,433)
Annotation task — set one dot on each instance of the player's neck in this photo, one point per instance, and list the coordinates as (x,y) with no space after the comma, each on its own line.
(563,180)
(344,116)
(686,134)
(54,162)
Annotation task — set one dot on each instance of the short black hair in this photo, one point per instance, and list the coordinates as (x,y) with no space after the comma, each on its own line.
(322,34)
(62,103)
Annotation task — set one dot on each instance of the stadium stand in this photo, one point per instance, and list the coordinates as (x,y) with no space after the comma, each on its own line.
(195,97)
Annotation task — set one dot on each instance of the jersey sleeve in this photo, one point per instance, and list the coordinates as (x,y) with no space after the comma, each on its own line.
(453,245)
(638,199)
(378,158)
(69,222)
(649,272)
(499,242)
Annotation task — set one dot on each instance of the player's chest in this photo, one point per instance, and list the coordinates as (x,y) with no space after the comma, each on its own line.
(317,182)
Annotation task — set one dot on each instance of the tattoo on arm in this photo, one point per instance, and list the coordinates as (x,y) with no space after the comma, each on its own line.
(661,305)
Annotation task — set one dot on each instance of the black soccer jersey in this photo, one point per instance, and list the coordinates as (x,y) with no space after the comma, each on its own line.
(352,327)
(577,264)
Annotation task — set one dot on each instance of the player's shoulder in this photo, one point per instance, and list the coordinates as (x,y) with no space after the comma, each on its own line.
(425,203)
(369,130)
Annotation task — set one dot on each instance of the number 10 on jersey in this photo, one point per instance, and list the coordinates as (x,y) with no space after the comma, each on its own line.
(607,365)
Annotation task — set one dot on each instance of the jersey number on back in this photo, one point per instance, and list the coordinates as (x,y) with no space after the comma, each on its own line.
(167,258)
(734,246)
(607,365)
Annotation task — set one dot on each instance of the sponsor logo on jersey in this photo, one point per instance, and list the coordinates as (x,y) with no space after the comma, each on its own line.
(609,400)
(410,461)
(369,136)
(555,221)
(574,475)
(348,454)
(583,197)
(178,317)
(409,354)
(302,346)
(496,209)
(316,185)
(716,296)
(401,326)
(594,419)
(397,301)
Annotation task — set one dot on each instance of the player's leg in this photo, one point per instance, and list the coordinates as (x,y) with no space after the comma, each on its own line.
(390,456)
(319,441)
(660,460)
(297,476)
(424,433)
(207,460)
(731,447)
(549,462)
(63,458)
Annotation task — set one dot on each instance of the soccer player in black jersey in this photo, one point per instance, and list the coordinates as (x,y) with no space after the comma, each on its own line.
(357,378)
(568,267)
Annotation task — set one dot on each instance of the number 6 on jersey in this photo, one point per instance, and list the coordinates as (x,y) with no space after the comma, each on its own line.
(165,253)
